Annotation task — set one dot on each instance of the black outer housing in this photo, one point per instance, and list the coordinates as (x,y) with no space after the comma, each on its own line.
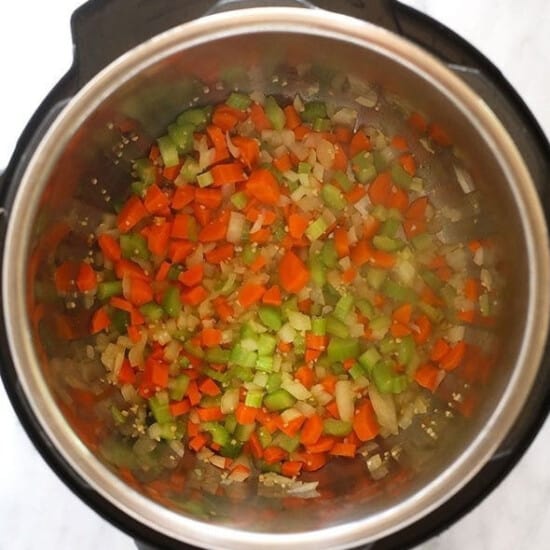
(105,29)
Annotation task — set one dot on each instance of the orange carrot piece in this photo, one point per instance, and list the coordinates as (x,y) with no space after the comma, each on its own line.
(250,293)
(258,264)
(301,132)
(466,316)
(380,188)
(220,254)
(399,143)
(428,376)
(414,227)
(194,296)
(198,442)
(418,122)
(225,117)
(182,225)
(245,415)
(343,134)
(110,247)
(263,185)
(439,350)
(259,118)
(424,329)
(297,224)
(305,375)
(171,172)
(359,142)
(184,195)
(193,276)
(137,291)
(249,150)
(341,242)
(283,163)
(131,214)
(403,314)
(179,408)
(408,163)
(316,342)
(217,137)
(417,209)
(439,135)
(365,424)
(100,320)
(273,454)
(126,374)
(291,468)
(347,450)
(214,231)
(471,289)
(340,158)
(209,414)
(193,393)
(86,278)
(208,386)
(223,309)
(324,444)
(179,250)
(312,461)
(272,296)
(348,276)
(293,274)
(211,198)
(261,236)
(399,330)
(158,238)
(398,199)
(127,268)
(155,200)
(225,174)
(65,276)
(293,119)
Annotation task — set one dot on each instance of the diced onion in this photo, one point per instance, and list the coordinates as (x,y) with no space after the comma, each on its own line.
(235,227)
(384,407)
(345,400)
(229,401)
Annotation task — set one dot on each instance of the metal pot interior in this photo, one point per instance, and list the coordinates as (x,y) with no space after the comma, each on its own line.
(83,166)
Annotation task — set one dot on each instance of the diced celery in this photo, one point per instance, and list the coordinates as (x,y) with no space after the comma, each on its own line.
(313,110)
(249,253)
(264,436)
(365,307)
(239,200)
(423,242)
(432,280)
(274,113)
(220,377)
(299,344)
(170,430)
(329,256)
(220,436)
(380,212)
(321,125)
(171,301)
(182,136)
(271,317)
(245,374)
(175,271)
(242,357)
(343,181)
(266,345)
(152,312)
(159,405)
(340,349)
(145,171)
(278,400)
(356,371)
(286,442)
(289,305)
(120,320)
(317,270)
(390,226)
(399,293)
(387,244)
(273,382)
(405,350)
(217,355)
(304,168)
(363,167)
(205,179)
(485,305)
(133,245)
(192,349)
(387,345)
(232,449)
(400,177)
(198,117)
(244,431)
(379,327)
(338,428)
(380,161)
(107,289)
(316,229)
(369,358)
(376,277)
(239,101)
(168,151)
(190,170)
(434,314)
(264,363)
(254,398)
(344,307)
(335,327)
(319,326)
(230,422)
(382,375)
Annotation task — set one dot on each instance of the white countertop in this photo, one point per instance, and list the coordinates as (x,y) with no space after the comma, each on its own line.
(36,510)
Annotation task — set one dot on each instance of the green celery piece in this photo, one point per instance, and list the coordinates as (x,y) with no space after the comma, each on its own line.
(423,242)
(232,449)
(363,167)
(390,226)
(399,293)
(107,289)
(230,423)
(387,244)
(218,376)
(139,188)
(192,349)
(485,305)
(365,307)
(432,280)
(239,200)
(244,374)
(210,401)
(380,161)
(343,180)
(266,345)
(264,363)
(321,125)
(329,256)
(248,332)
(172,430)
(264,436)
(182,136)
(197,117)
(244,431)
(382,375)
(435,315)
(335,327)
(344,307)
(273,382)
(317,270)
(380,325)
(160,407)
(271,317)
(405,350)
(279,400)
(217,355)
(239,101)
(299,344)
(274,113)
(265,467)
(118,417)
(313,110)
(242,357)
(340,349)
(168,151)
(399,383)
(304,168)
(254,398)
(205,179)
(356,371)
(401,177)
(219,434)
(134,245)
(177,387)
(190,170)
(369,358)
(152,312)
(175,271)
(380,212)
(338,428)
(319,326)
(120,320)
(316,229)
(145,171)
(376,277)
(291,304)
(387,345)
(171,301)
(286,442)
(249,254)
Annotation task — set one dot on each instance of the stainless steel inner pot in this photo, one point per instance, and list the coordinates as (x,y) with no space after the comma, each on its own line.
(267,49)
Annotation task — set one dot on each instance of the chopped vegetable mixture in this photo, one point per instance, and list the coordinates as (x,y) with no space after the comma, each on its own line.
(271,286)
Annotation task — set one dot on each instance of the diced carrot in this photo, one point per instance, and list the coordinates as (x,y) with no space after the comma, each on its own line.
(341,242)
(300,132)
(154,153)
(305,375)
(343,134)
(359,142)
(312,461)
(137,291)
(225,174)
(193,393)
(198,442)
(211,337)
(417,209)
(245,415)
(348,276)
(255,446)
(193,276)
(259,118)
(329,383)
(408,163)
(399,143)
(293,274)
(184,195)
(292,427)
(208,386)
(439,350)
(155,200)
(344,449)
(214,231)
(283,163)
(211,198)
(452,359)
(418,122)
(413,227)
(340,158)
(384,260)
(226,117)
(439,135)
(466,316)
(202,214)
(332,409)
(126,374)
(110,247)
(428,376)
(317,342)
(171,172)
(270,217)
(258,264)
(100,320)
(403,314)
(398,199)
(220,254)
(272,296)
(182,226)
(399,330)
(365,424)
(134,333)
(380,188)
(120,303)
(127,268)
(209,414)
(217,137)
(131,214)
(261,236)
(86,278)
(360,253)
(179,250)
(250,294)
(158,238)
(263,186)
(471,289)
(249,150)
(65,276)
(291,468)
(293,119)
(179,408)
(424,329)
(297,224)
(273,454)
(223,309)
(324,444)
(194,296)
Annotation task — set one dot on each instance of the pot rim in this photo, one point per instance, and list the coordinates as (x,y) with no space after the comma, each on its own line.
(311,22)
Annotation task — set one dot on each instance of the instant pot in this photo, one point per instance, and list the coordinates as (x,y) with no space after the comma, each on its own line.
(103,32)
